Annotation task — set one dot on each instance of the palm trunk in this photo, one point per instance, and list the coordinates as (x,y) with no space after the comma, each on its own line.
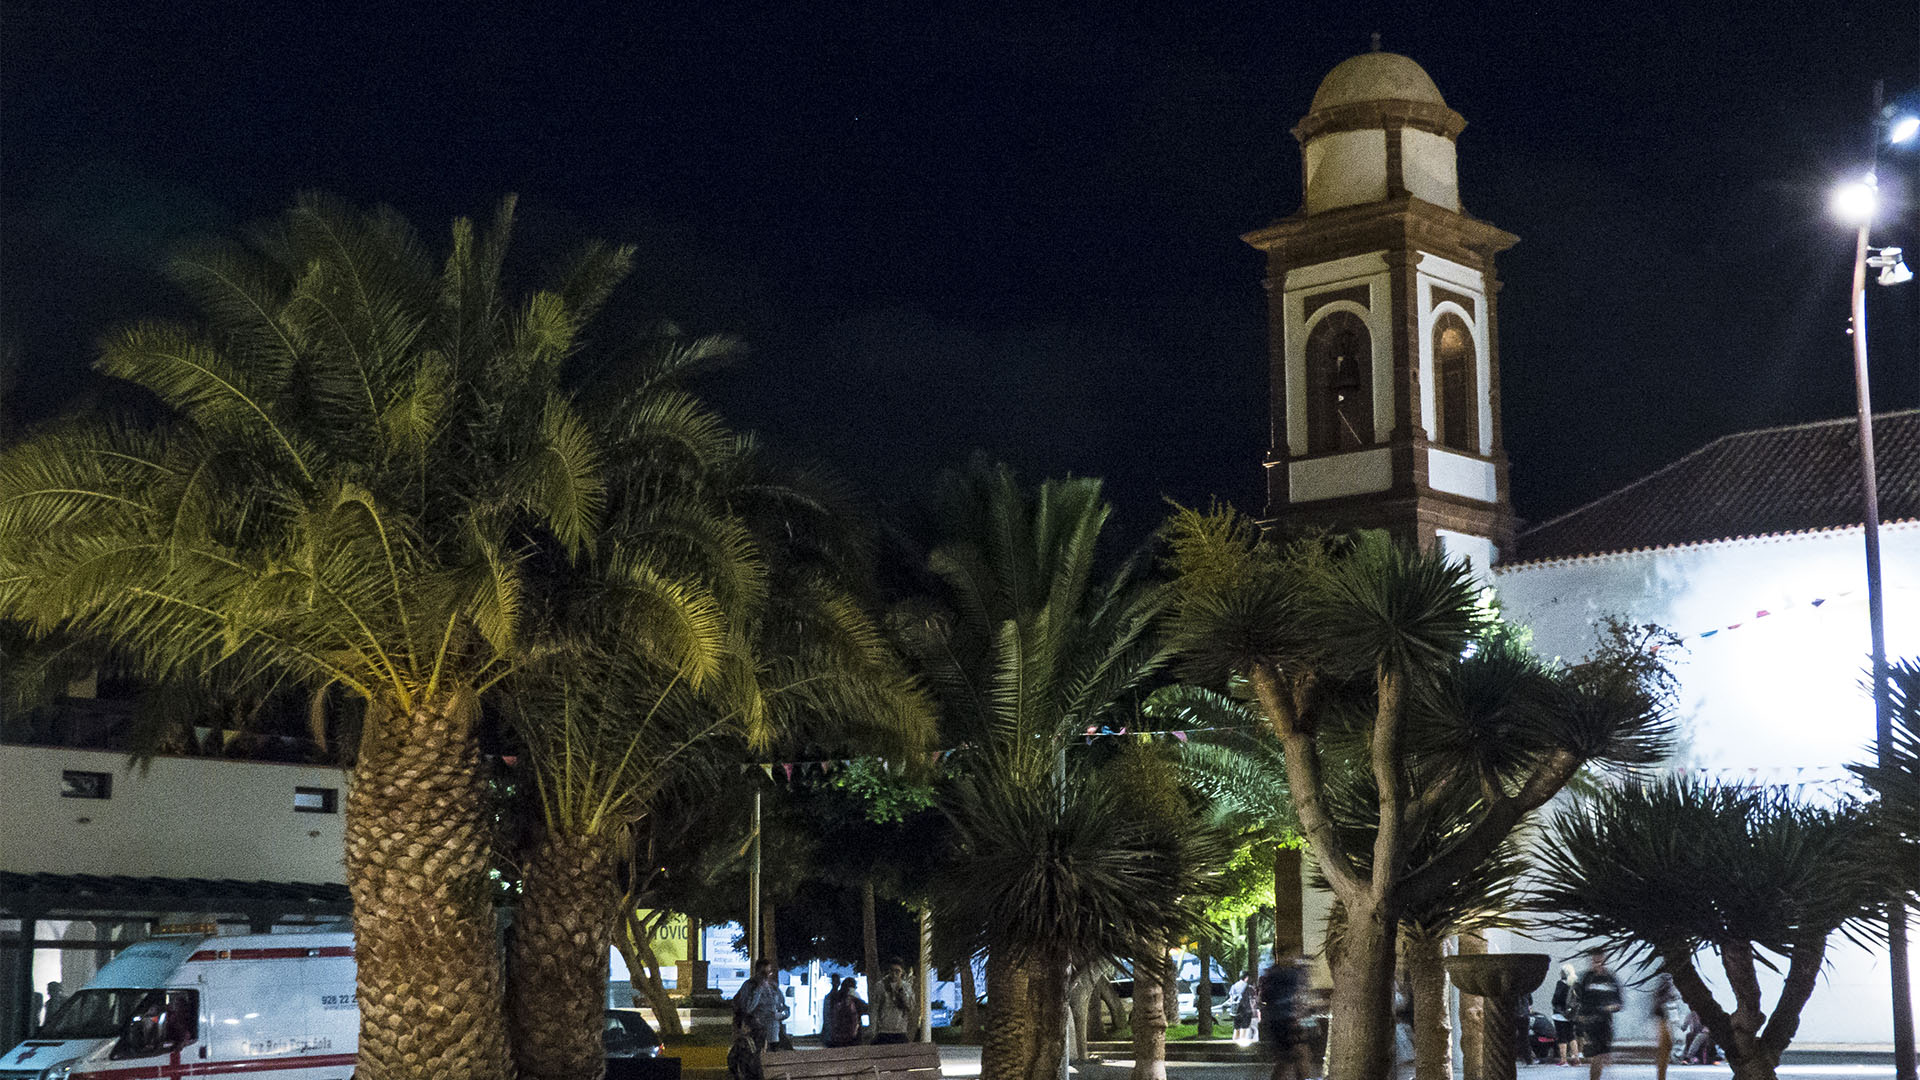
(1047,990)
(1203,991)
(1360,1034)
(1253,942)
(417,853)
(1008,1043)
(1150,968)
(557,989)
(1473,1013)
(1432,1033)
(971,1022)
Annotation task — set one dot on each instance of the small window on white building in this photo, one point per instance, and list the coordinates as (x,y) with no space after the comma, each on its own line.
(75,784)
(316,800)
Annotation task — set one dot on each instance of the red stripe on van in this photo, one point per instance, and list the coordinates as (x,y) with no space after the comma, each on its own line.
(217,1068)
(268,954)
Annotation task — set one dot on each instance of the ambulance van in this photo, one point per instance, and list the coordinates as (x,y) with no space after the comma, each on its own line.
(277,1006)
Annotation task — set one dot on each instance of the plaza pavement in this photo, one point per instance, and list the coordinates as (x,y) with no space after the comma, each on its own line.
(963,1062)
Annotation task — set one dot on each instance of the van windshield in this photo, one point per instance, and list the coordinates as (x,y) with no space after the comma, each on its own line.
(93,1014)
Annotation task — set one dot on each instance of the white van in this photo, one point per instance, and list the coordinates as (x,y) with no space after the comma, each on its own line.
(277,1005)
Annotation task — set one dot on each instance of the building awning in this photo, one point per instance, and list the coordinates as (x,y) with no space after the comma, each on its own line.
(87,894)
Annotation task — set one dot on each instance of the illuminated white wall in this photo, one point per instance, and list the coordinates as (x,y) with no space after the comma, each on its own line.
(1775,691)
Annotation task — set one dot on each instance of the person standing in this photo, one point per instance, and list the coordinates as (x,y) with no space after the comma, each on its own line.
(893,1014)
(1599,993)
(1240,1001)
(759,1006)
(843,1012)
(1566,1007)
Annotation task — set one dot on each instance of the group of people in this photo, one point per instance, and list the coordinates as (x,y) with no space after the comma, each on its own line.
(1584,1005)
(760,1012)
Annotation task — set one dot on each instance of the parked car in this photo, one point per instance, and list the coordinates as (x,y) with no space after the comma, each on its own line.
(628,1035)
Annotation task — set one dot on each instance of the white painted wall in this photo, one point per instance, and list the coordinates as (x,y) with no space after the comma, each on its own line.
(181,818)
(1355,473)
(1346,168)
(1782,690)
(1458,474)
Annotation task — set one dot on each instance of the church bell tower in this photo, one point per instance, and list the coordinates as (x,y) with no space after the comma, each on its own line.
(1384,359)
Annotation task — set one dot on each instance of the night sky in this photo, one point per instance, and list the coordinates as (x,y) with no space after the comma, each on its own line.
(944,227)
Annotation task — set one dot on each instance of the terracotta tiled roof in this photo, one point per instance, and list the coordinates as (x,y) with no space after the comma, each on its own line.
(1756,483)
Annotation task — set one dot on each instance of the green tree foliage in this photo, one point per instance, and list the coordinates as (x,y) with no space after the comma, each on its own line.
(1055,862)
(1666,871)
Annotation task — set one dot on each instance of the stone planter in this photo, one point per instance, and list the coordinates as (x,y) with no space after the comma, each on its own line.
(1498,979)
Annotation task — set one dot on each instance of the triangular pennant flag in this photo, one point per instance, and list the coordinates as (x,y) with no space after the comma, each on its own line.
(768,769)
(789,769)
(1181,735)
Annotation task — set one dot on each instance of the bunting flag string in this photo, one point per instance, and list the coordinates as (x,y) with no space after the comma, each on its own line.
(1777,610)
(791,769)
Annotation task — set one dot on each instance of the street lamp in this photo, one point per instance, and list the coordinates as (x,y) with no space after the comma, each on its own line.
(1856,204)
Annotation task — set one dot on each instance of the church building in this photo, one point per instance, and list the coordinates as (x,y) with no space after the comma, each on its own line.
(1385,404)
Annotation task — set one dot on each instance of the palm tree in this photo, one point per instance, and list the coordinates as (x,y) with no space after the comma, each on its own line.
(345,466)
(1368,657)
(1053,865)
(1667,870)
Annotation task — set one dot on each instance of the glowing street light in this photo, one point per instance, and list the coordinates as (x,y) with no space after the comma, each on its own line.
(1855,203)
(1903,129)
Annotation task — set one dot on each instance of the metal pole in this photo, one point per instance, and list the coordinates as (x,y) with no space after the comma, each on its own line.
(926,974)
(1897,960)
(753,896)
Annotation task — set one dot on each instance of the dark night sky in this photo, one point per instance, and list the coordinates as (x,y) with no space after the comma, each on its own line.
(948,226)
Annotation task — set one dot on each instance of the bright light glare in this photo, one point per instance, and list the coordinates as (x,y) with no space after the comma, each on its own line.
(1903,129)
(1855,203)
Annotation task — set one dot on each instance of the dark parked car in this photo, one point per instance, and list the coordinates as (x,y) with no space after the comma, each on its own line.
(628,1035)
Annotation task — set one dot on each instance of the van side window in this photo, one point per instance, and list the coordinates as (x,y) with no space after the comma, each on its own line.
(316,800)
(78,784)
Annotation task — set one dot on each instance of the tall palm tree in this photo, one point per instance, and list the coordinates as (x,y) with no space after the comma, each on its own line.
(346,463)
(1054,864)
(1370,658)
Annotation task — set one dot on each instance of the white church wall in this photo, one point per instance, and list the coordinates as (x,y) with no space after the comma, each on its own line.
(1357,473)
(1429,167)
(1771,680)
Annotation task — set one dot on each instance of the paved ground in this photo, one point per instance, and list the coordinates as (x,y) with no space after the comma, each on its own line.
(964,1061)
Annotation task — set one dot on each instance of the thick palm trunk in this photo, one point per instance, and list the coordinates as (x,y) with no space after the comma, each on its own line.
(1150,1014)
(1047,991)
(417,854)
(1360,1036)
(1008,1046)
(557,965)
(1432,1033)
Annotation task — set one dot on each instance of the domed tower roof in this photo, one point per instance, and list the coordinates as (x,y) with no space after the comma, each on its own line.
(1375,76)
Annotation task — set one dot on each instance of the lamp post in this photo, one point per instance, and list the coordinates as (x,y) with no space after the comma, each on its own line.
(1856,203)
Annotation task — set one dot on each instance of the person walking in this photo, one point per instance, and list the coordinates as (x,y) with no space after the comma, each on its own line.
(1599,993)
(1240,1002)
(893,1015)
(1279,1001)
(1661,1006)
(844,1008)
(1566,1006)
